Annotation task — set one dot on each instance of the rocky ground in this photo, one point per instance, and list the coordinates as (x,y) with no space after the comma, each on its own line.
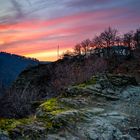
(104,108)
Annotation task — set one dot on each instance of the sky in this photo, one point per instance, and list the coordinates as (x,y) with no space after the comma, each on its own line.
(35,28)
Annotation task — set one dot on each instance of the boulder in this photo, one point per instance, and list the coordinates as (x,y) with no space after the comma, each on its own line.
(121,80)
(101,129)
(131,92)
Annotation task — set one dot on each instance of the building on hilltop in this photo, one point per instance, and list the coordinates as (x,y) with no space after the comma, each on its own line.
(113,51)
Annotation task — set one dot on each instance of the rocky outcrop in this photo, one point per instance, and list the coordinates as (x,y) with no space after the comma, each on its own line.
(46,81)
(4,135)
(94,110)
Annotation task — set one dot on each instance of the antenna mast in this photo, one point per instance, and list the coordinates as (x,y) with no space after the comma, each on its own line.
(58,52)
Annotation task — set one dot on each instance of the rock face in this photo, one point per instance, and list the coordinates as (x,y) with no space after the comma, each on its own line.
(4,136)
(98,109)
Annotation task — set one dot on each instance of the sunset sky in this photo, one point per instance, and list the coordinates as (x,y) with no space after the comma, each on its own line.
(35,28)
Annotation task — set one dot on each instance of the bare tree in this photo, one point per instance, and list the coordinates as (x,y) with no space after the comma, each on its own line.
(128,39)
(97,42)
(118,41)
(85,46)
(108,37)
(78,49)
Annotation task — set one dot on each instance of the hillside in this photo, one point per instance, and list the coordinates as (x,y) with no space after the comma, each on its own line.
(11,66)
(98,109)
(45,81)
(85,98)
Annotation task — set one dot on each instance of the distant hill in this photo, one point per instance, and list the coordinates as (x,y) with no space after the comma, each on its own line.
(12,65)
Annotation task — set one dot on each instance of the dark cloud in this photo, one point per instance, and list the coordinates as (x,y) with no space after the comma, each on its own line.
(18,9)
(14,13)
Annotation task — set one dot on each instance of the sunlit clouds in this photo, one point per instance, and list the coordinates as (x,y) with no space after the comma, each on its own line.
(35,28)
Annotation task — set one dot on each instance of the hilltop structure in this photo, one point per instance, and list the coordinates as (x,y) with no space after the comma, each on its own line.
(113,51)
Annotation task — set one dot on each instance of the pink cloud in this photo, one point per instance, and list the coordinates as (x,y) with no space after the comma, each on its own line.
(39,35)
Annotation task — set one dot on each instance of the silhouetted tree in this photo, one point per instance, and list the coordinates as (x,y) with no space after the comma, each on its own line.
(137,38)
(85,46)
(97,41)
(118,41)
(128,39)
(78,49)
(108,37)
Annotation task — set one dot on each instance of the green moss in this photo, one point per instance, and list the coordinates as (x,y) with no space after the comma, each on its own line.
(10,124)
(53,107)
(50,105)
(27,120)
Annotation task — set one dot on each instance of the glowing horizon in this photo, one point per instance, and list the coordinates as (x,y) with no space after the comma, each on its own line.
(35,28)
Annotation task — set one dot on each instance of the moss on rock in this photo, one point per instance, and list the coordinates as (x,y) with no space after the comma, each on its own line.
(10,124)
(55,114)
(53,107)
